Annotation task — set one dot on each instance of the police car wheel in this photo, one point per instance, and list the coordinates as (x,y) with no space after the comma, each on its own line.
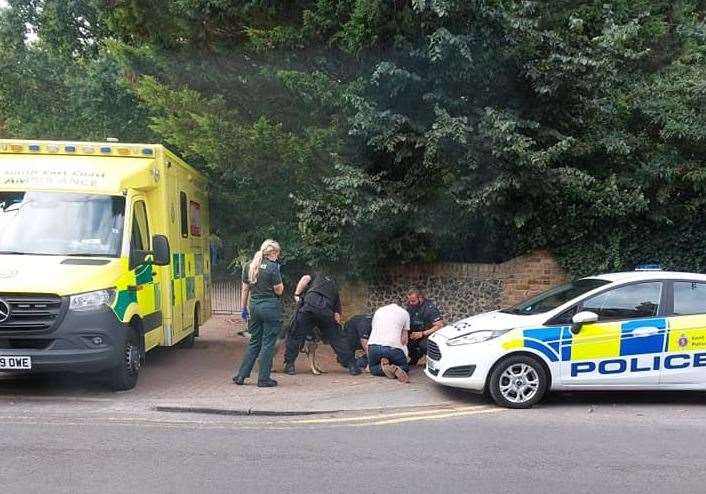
(518,381)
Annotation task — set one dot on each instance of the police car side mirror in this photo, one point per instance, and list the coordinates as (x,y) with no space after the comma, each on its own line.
(582,318)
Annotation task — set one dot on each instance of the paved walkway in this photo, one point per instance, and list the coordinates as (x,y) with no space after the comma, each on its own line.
(201,378)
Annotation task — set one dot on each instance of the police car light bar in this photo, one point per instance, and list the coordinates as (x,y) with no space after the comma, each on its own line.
(648,266)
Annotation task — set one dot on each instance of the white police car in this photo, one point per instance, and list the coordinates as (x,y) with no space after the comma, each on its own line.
(621,331)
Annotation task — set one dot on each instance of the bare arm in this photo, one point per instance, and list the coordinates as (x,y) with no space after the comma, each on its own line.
(405,337)
(434,327)
(364,344)
(278,289)
(301,286)
(244,294)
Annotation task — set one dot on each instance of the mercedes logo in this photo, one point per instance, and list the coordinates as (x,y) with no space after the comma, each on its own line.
(4,311)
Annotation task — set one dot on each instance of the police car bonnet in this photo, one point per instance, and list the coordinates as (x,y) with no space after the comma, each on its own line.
(495,320)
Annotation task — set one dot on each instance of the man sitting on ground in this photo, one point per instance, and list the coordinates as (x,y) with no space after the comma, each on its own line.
(357,331)
(425,320)
(387,345)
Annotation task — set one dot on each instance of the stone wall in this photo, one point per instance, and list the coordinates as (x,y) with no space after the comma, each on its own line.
(460,290)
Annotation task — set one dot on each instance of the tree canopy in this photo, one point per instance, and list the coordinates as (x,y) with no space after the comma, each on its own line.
(362,132)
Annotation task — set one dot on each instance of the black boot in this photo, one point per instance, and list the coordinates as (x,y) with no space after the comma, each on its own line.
(353,369)
(270,383)
(239,380)
(289,368)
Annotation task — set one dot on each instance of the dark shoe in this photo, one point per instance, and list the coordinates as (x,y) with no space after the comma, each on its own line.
(354,370)
(289,368)
(239,380)
(270,383)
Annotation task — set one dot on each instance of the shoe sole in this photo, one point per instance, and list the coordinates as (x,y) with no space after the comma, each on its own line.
(401,375)
(389,370)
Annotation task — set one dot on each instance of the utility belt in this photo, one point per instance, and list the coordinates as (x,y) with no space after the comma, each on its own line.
(318,301)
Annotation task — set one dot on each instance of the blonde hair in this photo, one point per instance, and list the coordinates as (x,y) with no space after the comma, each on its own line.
(268,247)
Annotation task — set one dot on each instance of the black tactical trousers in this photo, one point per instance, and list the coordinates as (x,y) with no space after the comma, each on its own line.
(310,316)
(417,349)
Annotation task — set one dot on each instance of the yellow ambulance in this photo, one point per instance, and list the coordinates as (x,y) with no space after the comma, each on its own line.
(104,255)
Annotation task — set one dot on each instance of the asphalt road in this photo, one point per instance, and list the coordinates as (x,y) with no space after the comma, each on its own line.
(584,443)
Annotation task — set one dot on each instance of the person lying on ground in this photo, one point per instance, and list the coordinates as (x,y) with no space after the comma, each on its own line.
(387,345)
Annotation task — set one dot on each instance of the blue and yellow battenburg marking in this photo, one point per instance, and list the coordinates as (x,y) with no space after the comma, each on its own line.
(615,339)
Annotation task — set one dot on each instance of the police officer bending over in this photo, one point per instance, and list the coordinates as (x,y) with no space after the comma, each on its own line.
(321,307)
(425,319)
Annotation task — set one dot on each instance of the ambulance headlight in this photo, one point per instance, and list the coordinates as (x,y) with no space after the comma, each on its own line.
(92,300)
(474,337)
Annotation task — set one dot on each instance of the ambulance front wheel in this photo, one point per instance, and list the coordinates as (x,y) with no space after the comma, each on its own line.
(518,381)
(124,376)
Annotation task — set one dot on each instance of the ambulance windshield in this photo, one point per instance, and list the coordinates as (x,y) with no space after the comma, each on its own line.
(61,224)
(553,298)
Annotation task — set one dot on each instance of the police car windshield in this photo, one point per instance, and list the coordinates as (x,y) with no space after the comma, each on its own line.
(555,297)
(61,224)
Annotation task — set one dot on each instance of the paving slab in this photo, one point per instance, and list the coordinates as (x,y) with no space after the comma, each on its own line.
(199,379)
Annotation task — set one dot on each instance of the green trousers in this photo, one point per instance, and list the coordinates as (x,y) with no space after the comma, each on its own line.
(264,326)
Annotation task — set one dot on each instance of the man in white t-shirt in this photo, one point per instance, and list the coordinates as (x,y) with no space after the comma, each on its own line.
(387,345)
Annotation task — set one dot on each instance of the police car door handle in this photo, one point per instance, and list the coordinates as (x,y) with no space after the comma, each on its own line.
(645,331)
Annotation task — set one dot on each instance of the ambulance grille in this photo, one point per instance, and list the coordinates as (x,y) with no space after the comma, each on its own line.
(433,351)
(31,312)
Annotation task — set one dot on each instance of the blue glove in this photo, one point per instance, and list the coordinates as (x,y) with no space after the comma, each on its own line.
(244,314)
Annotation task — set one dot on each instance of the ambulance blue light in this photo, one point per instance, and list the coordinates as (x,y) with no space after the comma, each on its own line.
(106,149)
(34,147)
(147,152)
(70,149)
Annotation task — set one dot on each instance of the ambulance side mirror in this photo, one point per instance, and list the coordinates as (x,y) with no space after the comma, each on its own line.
(583,317)
(161,251)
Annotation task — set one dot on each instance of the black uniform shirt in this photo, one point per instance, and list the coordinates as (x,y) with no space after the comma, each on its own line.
(268,276)
(325,286)
(422,316)
(360,326)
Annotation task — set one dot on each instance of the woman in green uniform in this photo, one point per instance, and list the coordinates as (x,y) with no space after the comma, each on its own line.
(262,283)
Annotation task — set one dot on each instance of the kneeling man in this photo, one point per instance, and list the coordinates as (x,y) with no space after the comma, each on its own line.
(387,345)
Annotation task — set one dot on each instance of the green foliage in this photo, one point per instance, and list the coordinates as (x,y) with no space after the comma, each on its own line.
(360,132)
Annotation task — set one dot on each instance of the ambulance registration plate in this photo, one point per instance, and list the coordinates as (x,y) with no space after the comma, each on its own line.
(15,363)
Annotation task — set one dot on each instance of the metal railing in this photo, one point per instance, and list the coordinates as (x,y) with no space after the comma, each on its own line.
(225,297)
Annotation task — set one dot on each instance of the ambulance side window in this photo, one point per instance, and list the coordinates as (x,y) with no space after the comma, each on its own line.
(140,227)
(184,208)
(689,298)
(639,300)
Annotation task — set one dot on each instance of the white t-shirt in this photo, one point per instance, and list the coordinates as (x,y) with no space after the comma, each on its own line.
(388,323)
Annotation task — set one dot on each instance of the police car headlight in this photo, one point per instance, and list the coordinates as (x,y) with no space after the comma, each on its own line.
(92,300)
(474,337)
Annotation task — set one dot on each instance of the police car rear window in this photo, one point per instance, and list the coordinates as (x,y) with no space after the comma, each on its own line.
(689,298)
(554,297)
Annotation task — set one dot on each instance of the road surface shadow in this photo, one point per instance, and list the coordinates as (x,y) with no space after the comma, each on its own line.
(587,398)
(55,384)
(584,398)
